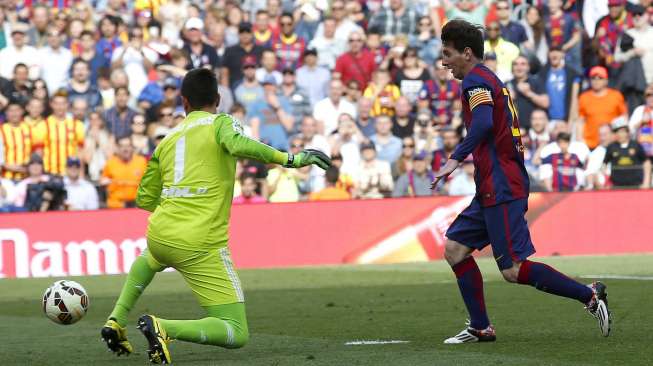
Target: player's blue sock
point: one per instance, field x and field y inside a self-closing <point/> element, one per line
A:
<point x="547" y="279"/>
<point x="470" y="282"/>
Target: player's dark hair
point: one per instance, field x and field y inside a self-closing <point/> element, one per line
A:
<point x="332" y="174"/>
<point x="461" y="34"/>
<point x="200" y="88"/>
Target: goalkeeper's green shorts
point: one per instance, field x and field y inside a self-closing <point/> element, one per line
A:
<point x="211" y="275"/>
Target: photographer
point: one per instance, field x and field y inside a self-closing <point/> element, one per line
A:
<point x="40" y="191"/>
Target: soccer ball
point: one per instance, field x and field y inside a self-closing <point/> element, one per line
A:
<point x="65" y="302"/>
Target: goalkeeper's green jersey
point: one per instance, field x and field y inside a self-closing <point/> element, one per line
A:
<point x="189" y="181"/>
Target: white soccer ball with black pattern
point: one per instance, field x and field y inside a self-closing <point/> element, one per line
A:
<point x="65" y="302"/>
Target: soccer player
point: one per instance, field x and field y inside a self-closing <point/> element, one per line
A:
<point x="496" y="214"/>
<point x="188" y="185"/>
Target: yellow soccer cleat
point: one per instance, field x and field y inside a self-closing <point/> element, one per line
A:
<point x="156" y="338"/>
<point x="115" y="337"/>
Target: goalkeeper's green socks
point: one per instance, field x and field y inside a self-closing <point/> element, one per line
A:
<point x="140" y="275"/>
<point x="226" y="327"/>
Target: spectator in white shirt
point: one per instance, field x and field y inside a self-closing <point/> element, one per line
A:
<point x="55" y="61"/>
<point x="343" y="25"/>
<point x="595" y="177"/>
<point x="346" y="143"/>
<point x="463" y="184"/>
<point x="373" y="177"/>
<point x="7" y="193"/>
<point x="328" y="110"/>
<point x="268" y="67"/>
<point x="19" y="52"/>
<point x="172" y="15"/>
<point x="82" y="195"/>
<point x="312" y="77"/>
<point x="328" y="46"/>
<point x="313" y="140"/>
<point x="136" y="60"/>
<point x="642" y="35"/>
<point x="578" y="148"/>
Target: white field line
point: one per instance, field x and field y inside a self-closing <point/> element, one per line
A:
<point x="619" y="277"/>
<point x="364" y="342"/>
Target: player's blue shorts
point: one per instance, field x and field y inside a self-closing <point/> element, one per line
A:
<point x="503" y="226"/>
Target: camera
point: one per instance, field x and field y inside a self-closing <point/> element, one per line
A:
<point x="51" y="192"/>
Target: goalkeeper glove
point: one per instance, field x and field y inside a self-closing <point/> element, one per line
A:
<point x="308" y="157"/>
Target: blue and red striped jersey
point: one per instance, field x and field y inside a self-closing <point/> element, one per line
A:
<point x="565" y="171"/>
<point x="440" y="97"/>
<point x="493" y="138"/>
<point x="289" y="51"/>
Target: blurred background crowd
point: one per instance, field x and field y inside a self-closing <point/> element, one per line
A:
<point x="89" y="88"/>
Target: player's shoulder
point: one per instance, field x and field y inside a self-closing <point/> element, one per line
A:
<point x="480" y="77"/>
<point x="228" y="120"/>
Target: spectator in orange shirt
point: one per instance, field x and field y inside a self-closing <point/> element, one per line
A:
<point x="122" y="175"/>
<point x="598" y="106"/>
<point x="332" y="191"/>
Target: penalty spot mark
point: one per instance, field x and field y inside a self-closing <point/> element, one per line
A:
<point x="619" y="277"/>
<point x="378" y="341"/>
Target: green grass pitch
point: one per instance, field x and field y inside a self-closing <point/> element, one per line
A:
<point x="304" y="316"/>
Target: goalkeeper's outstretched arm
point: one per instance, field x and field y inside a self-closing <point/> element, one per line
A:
<point x="229" y="135"/>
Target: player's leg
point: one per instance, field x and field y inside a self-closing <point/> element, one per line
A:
<point x="140" y="275"/>
<point x="512" y="245"/>
<point x="213" y="279"/>
<point x="225" y="326"/>
<point x="465" y="234"/>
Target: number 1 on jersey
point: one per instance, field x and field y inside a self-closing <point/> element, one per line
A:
<point x="180" y="154"/>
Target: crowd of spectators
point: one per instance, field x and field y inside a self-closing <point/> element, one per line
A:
<point x="89" y="88"/>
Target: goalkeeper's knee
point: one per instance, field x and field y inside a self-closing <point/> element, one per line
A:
<point x="237" y="335"/>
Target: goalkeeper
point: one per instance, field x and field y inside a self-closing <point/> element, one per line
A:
<point x="188" y="185"/>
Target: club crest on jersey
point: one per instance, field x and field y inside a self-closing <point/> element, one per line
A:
<point x="236" y="125"/>
<point x="478" y="96"/>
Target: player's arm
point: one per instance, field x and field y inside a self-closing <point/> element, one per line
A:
<point x="480" y="127"/>
<point x="230" y="136"/>
<point x="481" y="104"/>
<point x="148" y="195"/>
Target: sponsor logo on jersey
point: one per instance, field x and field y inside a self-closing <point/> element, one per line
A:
<point x="236" y="125"/>
<point x="177" y="192"/>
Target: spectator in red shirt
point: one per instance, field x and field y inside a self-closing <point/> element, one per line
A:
<point x="289" y="47"/>
<point x="357" y="64"/>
